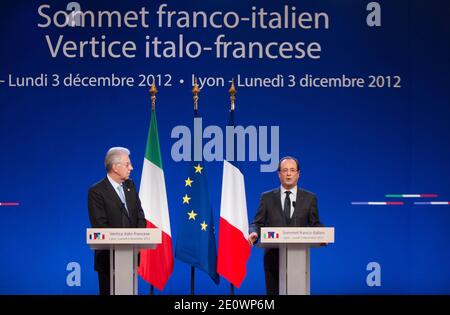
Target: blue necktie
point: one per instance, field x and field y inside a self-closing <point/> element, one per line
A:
<point x="122" y="196"/>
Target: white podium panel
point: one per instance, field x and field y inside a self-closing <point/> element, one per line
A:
<point x="123" y="246"/>
<point x="294" y="245"/>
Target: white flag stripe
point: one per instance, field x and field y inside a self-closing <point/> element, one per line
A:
<point x="153" y="196"/>
<point x="233" y="206"/>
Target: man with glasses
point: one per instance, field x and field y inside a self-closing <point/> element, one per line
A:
<point x="114" y="203"/>
<point x="286" y="206"/>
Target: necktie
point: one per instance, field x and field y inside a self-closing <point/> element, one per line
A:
<point x="287" y="207"/>
<point x="122" y="196"/>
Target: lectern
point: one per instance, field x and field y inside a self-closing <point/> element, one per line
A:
<point x="294" y="244"/>
<point x="123" y="246"/>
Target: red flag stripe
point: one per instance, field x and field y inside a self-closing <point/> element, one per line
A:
<point x="233" y="253"/>
<point x="157" y="264"/>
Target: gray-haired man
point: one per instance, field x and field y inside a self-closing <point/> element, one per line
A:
<point x="114" y="203"/>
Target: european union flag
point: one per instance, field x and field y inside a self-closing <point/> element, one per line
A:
<point x="196" y="242"/>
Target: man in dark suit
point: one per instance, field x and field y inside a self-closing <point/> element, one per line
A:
<point x="283" y="207"/>
<point x="114" y="203"/>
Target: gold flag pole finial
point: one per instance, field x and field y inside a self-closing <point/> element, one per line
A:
<point x="232" y="94"/>
<point x="153" y="92"/>
<point x="195" y="91"/>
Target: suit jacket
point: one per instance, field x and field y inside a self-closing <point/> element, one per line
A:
<point x="106" y="210"/>
<point x="270" y="212"/>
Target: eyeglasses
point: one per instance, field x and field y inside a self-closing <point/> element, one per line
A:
<point x="285" y="170"/>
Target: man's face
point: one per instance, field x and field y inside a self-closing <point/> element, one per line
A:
<point x="288" y="173"/>
<point x="123" y="168"/>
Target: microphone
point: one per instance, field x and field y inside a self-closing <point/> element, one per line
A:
<point x="293" y="204"/>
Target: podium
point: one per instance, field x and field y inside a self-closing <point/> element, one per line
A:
<point x="123" y="246"/>
<point x="294" y="245"/>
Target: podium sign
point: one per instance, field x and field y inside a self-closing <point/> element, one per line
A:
<point x="296" y="235"/>
<point x="123" y="246"/>
<point x="104" y="238"/>
<point x="294" y="255"/>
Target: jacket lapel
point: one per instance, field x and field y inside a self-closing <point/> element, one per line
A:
<point x="277" y="200"/>
<point x="127" y="191"/>
<point x="298" y="202"/>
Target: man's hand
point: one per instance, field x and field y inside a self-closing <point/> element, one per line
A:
<point x="252" y="238"/>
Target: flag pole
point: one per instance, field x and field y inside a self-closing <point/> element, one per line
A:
<point x="195" y="91"/>
<point x="232" y="91"/>
<point x="153" y="92"/>
<point x="192" y="280"/>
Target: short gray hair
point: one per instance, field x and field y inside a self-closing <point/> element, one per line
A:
<point x="113" y="156"/>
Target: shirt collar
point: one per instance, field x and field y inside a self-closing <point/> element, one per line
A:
<point x="113" y="183"/>
<point x="293" y="190"/>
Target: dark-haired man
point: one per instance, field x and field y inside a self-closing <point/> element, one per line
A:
<point x="285" y="206"/>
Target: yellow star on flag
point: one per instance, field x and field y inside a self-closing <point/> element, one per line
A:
<point x="204" y="225"/>
<point x="192" y="215"/>
<point x="188" y="182"/>
<point x="186" y="199"/>
<point x="198" y="169"/>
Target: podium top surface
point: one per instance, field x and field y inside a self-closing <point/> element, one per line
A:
<point x="296" y="235"/>
<point x="99" y="238"/>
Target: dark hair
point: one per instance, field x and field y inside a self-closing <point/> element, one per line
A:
<point x="288" y="158"/>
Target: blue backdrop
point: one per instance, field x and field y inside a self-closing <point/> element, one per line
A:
<point x="354" y="144"/>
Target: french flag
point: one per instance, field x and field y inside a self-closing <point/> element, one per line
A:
<point x="234" y="249"/>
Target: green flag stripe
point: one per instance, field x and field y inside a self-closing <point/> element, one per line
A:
<point x="152" y="152"/>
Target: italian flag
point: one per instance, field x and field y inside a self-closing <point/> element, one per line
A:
<point x="156" y="265"/>
<point x="234" y="250"/>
